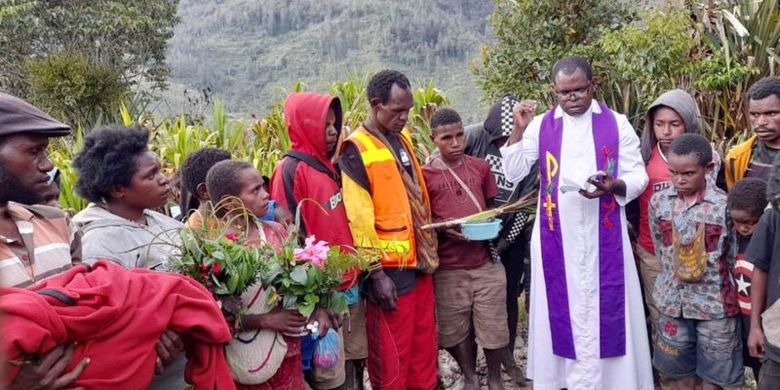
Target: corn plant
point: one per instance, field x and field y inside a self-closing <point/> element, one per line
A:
<point x="354" y="102"/>
<point x="261" y="141"/>
<point x="271" y="132"/>
<point x="61" y="154"/>
<point x="174" y="140"/>
<point x="427" y="100"/>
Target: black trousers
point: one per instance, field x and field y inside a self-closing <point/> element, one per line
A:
<point x="518" y="279"/>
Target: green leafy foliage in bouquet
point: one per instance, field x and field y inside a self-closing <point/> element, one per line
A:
<point x="223" y="264"/>
<point x="218" y="258"/>
<point x="302" y="278"/>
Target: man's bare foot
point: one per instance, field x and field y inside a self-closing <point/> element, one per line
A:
<point x="497" y="384"/>
<point x="471" y="383"/>
<point x="511" y="368"/>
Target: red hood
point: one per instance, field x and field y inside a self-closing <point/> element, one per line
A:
<point x="305" y="114"/>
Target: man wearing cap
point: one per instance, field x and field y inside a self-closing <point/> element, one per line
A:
<point x="38" y="241"/>
<point x="35" y="241"/>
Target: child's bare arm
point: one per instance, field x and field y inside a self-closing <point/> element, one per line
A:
<point x="756" y="340"/>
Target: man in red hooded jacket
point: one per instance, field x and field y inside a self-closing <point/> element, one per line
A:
<point x="306" y="172"/>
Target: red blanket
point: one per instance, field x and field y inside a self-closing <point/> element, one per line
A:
<point x="117" y="316"/>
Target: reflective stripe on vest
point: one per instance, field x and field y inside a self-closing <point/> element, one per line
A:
<point x="393" y="221"/>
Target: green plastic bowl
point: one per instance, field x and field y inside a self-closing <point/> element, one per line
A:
<point x="481" y="231"/>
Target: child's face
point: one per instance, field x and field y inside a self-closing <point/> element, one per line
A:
<point x="450" y="141"/>
<point x="667" y="126"/>
<point x="52" y="196"/>
<point x="688" y="176"/>
<point x="253" y="195"/>
<point x="331" y="132"/>
<point x="744" y="222"/>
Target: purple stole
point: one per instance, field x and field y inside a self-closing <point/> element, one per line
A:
<point x="612" y="316"/>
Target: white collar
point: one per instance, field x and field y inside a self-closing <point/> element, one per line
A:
<point x="594" y="108"/>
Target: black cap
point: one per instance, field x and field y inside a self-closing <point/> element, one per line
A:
<point x="17" y="116"/>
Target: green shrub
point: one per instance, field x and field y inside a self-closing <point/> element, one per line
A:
<point x="73" y="88"/>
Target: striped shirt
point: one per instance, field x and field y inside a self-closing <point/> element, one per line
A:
<point x="761" y="161"/>
<point x="49" y="245"/>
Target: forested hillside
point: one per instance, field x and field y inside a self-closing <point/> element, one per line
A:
<point x="248" y="51"/>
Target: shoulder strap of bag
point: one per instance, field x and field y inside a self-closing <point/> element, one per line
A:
<point x="288" y="180"/>
<point x="314" y="163"/>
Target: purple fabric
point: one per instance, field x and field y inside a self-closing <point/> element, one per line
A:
<point x="612" y="328"/>
<point x="553" y="263"/>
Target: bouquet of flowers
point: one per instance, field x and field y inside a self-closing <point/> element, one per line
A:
<point x="296" y="277"/>
<point x="220" y="262"/>
<point x="302" y="278"/>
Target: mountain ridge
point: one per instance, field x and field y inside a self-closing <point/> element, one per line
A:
<point x="246" y="52"/>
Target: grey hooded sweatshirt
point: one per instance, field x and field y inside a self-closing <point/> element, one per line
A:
<point x="685" y="106"/>
<point x="131" y="244"/>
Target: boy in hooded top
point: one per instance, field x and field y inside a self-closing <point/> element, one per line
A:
<point x="672" y="114"/>
<point x="306" y="172"/>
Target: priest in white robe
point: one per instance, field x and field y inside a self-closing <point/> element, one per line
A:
<point x="587" y="323"/>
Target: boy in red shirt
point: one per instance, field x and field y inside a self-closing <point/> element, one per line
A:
<point x="470" y="288"/>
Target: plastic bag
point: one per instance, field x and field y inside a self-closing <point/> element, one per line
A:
<point x="328" y="350"/>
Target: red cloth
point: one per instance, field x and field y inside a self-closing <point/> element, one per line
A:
<point x="289" y="376"/>
<point x="404" y="343"/>
<point x="660" y="179"/>
<point x="450" y="201"/>
<point x="117" y="316"/>
<point x="323" y="213"/>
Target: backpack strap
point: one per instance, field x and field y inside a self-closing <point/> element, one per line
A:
<point x="289" y="166"/>
<point x="314" y="163"/>
<point x="288" y="177"/>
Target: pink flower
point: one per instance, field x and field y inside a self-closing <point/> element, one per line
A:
<point x="231" y="236"/>
<point x="312" y="252"/>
